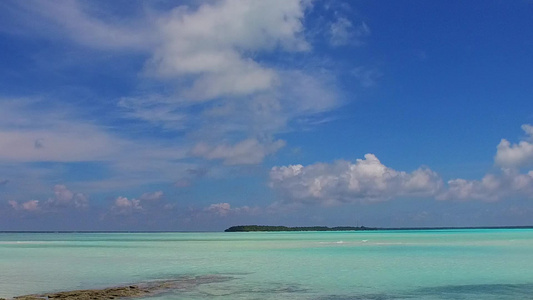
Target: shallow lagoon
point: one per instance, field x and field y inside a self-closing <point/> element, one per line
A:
<point x="432" y="264"/>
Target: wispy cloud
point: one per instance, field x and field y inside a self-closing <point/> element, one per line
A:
<point x="249" y="151"/>
<point x="29" y="133"/>
<point x="81" y="22"/>
<point x="208" y="57"/>
<point x="343" y="32"/>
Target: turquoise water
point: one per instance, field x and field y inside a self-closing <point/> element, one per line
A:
<point x="441" y="264"/>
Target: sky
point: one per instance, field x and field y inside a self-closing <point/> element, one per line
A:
<point x="200" y="115"/>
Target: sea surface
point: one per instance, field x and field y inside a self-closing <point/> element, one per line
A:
<point x="414" y="264"/>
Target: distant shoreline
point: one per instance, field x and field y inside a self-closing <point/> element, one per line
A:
<point x="267" y="228"/>
<point x="353" y="228"/>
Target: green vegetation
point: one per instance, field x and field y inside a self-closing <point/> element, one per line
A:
<point x="246" y="228"/>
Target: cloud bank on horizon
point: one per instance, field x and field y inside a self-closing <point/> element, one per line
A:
<point x="199" y="115"/>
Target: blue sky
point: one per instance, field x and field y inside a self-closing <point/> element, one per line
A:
<point x="199" y="115"/>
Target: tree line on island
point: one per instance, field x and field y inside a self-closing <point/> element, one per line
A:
<point x="246" y="228"/>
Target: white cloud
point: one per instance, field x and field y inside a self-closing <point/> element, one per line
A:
<point x="155" y="196"/>
<point x="210" y="53"/>
<point x="220" y="209"/>
<point x="345" y="182"/>
<point x="515" y="155"/>
<point x="65" y="137"/>
<point x="217" y="88"/>
<point x="65" y="197"/>
<point x="183" y="183"/>
<point x="32" y="133"/>
<point x="528" y="129"/>
<point x="145" y="203"/>
<point x="509" y="182"/>
<point x="32" y="205"/>
<point x="249" y="151"/>
<point x="367" y="77"/>
<point x="224" y="209"/>
<point x="154" y="109"/>
<point x="491" y="188"/>
<point x="67" y="144"/>
<point x="123" y="205"/>
<point x="213" y="43"/>
<point x="73" y="19"/>
<point x="343" y="32"/>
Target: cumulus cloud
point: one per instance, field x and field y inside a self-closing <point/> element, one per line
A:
<point x="366" y="180"/>
<point x="515" y="155"/>
<point x="212" y="42"/>
<point x="65" y="197"/>
<point x="155" y="196"/>
<point x="32" y="205"/>
<point x="508" y="182"/>
<point x="369" y="180"/>
<point x="492" y="187"/>
<point x="224" y="209"/>
<point x="123" y="205"/>
<point x="220" y="209"/>
<point x="144" y="203"/>
<point x="249" y="151"/>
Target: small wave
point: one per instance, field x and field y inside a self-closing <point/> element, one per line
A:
<point x="332" y="243"/>
<point x="24" y="242"/>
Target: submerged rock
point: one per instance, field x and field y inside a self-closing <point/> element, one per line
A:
<point x="129" y="291"/>
<point x="109" y="293"/>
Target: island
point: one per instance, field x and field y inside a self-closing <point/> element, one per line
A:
<point x="249" y="228"/>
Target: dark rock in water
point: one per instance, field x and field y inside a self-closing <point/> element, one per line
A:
<point x="129" y="291"/>
<point x="109" y="293"/>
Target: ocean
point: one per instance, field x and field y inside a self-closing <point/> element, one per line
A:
<point x="410" y="264"/>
